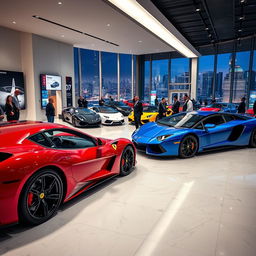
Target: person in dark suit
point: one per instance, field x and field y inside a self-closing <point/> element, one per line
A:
<point x="85" y="103"/>
<point x="254" y="108"/>
<point x="50" y="111"/>
<point x="1" y="114"/>
<point x="16" y="102"/>
<point x="176" y="105"/>
<point x="80" y="102"/>
<point x="162" y="109"/>
<point x="101" y="102"/>
<point x="10" y="109"/>
<point x="156" y="102"/>
<point x="242" y="106"/>
<point x="137" y="110"/>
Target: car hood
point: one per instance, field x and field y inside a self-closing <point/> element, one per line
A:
<point x="153" y="129"/>
<point x="111" y="115"/>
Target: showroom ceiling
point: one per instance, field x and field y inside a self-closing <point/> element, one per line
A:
<point x="82" y="23"/>
<point x="204" y="22"/>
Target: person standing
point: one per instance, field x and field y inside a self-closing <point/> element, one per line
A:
<point x="101" y="101"/>
<point x="188" y="105"/>
<point x="162" y="109"/>
<point x="1" y="114"/>
<point x="242" y="106"/>
<point x="85" y="103"/>
<point x="176" y="105"/>
<point x="110" y="98"/>
<point x="254" y="108"/>
<point x="80" y="102"/>
<point x="50" y="111"/>
<point x="156" y="102"/>
<point x="138" y="109"/>
<point x="10" y="109"/>
<point x="16" y="102"/>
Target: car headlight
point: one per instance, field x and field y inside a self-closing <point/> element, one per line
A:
<point x="148" y="116"/>
<point x="107" y="117"/>
<point x="163" y="137"/>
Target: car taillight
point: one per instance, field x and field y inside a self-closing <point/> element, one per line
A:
<point x="4" y="156"/>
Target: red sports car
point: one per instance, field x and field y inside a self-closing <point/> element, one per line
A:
<point x="130" y="103"/>
<point x="43" y="165"/>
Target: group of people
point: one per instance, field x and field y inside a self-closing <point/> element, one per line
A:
<point x="11" y="108"/>
<point x="162" y="108"/>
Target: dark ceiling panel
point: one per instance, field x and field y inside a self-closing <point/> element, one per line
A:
<point x="205" y="22"/>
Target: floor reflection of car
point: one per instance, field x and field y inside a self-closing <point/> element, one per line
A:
<point x="149" y="114"/>
<point x="120" y="106"/>
<point x="6" y="90"/>
<point x="55" y="84"/>
<point x="44" y="165"/>
<point x="81" y="117"/>
<point x="216" y="107"/>
<point x="109" y="116"/>
<point x="185" y="134"/>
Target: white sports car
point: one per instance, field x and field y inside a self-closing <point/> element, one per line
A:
<point x="109" y="116"/>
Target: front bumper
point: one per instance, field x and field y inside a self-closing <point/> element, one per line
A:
<point x="156" y="148"/>
<point x="113" y="122"/>
<point x="88" y="124"/>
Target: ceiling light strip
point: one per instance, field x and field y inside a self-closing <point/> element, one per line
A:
<point x="72" y="29"/>
<point x="133" y="9"/>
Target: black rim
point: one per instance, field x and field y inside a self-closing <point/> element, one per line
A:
<point x="44" y="196"/>
<point x="189" y="147"/>
<point x="127" y="160"/>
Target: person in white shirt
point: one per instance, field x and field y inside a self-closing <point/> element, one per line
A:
<point x="188" y="105"/>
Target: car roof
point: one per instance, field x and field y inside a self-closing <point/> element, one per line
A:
<point x="12" y="133"/>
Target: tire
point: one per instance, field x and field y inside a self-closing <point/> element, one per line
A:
<point x="127" y="161"/>
<point x="41" y="197"/>
<point x="253" y="139"/>
<point x="188" y="147"/>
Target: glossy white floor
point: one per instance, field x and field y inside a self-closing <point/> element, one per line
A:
<point x="196" y="207"/>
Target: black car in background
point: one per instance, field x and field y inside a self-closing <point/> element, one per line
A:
<point x="81" y="117"/>
<point x="119" y="106"/>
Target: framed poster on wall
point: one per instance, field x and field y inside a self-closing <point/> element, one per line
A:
<point x="9" y="82"/>
<point x="69" y="91"/>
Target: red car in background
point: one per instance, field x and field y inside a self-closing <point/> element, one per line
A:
<point x="43" y="165"/>
<point x="131" y="104"/>
<point x="250" y="112"/>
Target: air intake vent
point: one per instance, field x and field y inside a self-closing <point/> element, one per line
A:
<point x="4" y="156"/>
<point x="73" y="29"/>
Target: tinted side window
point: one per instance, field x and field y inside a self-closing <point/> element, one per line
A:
<point x="65" y="140"/>
<point x="40" y="139"/>
<point x="217" y="120"/>
<point x="229" y="118"/>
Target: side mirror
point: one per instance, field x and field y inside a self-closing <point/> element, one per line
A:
<point x="99" y="141"/>
<point x="209" y="126"/>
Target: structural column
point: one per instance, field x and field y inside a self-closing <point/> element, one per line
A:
<point x="194" y="67"/>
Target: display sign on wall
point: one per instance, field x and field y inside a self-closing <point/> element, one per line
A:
<point x="9" y="82"/>
<point x="69" y="91"/>
<point x="53" y="83"/>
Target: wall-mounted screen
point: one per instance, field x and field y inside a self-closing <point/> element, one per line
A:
<point x="9" y="82"/>
<point x="53" y="83"/>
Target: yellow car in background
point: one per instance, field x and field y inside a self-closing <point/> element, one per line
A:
<point x="150" y="114"/>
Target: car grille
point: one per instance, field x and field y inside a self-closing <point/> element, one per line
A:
<point x="156" y="148"/>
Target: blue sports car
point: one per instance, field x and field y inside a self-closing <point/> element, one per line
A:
<point x="187" y="133"/>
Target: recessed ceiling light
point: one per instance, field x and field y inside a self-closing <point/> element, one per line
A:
<point x="206" y="28"/>
<point x="198" y="9"/>
<point x="108" y="25"/>
<point x="241" y="18"/>
<point x="139" y="41"/>
<point x="240" y="30"/>
<point x="137" y="12"/>
<point x="59" y="3"/>
<point x="14" y="22"/>
<point x="210" y="35"/>
<point x="62" y="36"/>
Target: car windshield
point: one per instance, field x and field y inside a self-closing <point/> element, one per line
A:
<point x="83" y="111"/>
<point x="150" y="109"/>
<point x="119" y="103"/>
<point x="185" y="120"/>
<point x="215" y="105"/>
<point x="107" y="110"/>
